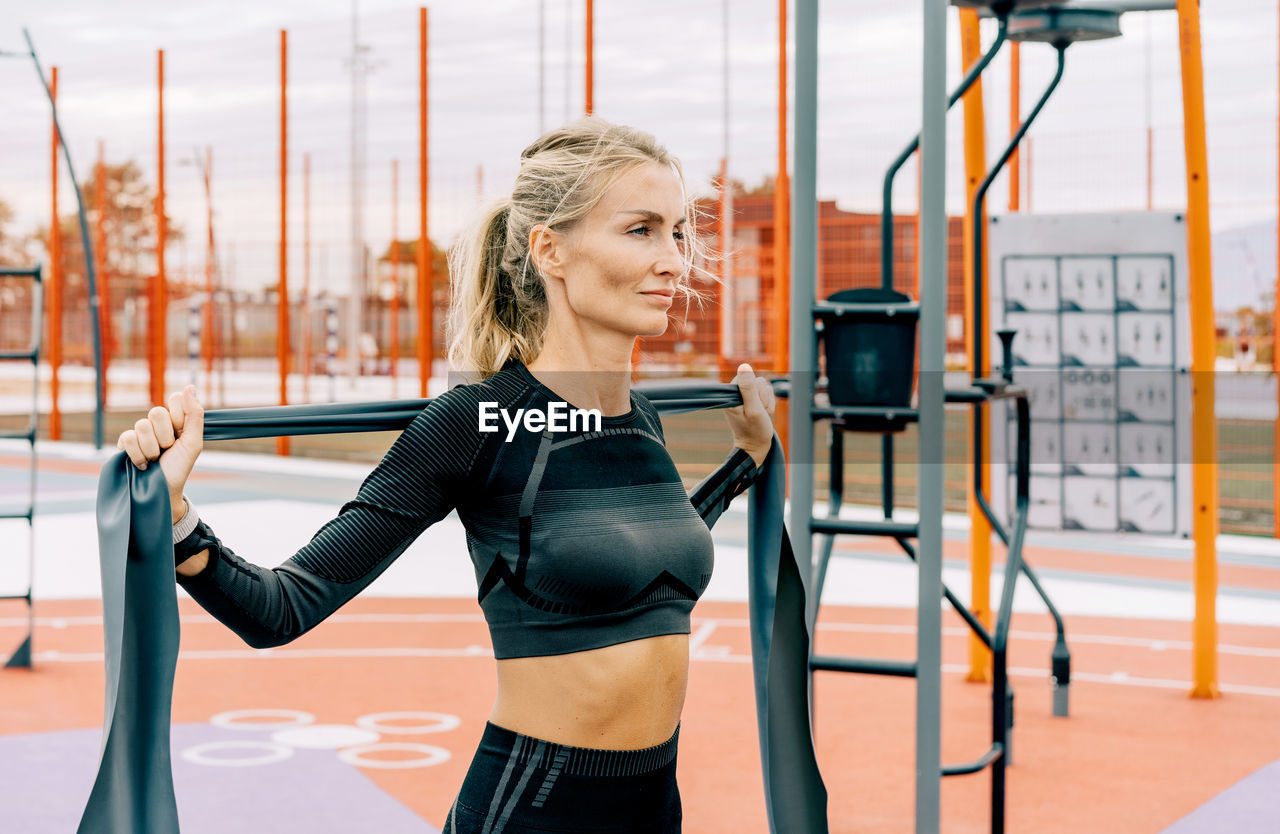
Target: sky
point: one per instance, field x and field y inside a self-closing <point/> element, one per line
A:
<point x="659" y="65"/>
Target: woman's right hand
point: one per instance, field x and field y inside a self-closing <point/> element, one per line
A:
<point x="173" y="435"/>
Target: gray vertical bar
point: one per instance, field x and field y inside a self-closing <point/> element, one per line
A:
<point x="804" y="263"/>
<point x="933" y="297"/>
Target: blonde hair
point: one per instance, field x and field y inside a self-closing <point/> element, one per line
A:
<point x="498" y="306"/>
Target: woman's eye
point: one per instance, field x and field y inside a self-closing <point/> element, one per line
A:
<point x="679" y="235"/>
<point x="641" y="229"/>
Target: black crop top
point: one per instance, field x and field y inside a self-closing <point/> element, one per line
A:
<point x="580" y="538"/>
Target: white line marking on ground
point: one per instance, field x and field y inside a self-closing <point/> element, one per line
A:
<point x="715" y="654"/>
<point x="700" y="636"/>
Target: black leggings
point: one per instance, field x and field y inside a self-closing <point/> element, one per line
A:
<point x="522" y="785"/>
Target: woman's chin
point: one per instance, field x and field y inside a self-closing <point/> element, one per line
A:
<point x="656" y="329"/>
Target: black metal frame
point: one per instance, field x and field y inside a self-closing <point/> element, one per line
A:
<point x="21" y="656"/>
<point x="887" y="421"/>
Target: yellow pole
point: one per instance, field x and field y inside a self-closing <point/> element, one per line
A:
<point x="975" y="169"/>
<point x="1204" y="451"/>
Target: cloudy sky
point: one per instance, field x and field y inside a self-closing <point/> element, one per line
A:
<point x="659" y="65"/>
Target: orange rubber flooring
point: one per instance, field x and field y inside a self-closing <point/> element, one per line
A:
<point x="1136" y="754"/>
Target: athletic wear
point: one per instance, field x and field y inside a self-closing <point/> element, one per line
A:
<point x="518" y="784"/>
<point x="579" y="538"/>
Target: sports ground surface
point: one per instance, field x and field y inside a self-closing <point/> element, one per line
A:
<point x="368" y="722"/>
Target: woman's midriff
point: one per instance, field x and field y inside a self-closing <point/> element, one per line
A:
<point x="622" y="697"/>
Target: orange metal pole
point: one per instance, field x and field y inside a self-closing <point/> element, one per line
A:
<point x="395" y="272"/>
<point x="1204" y="446"/>
<point x="207" y="330"/>
<point x="722" y="215"/>
<point x="282" y="306"/>
<point x="425" y="324"/>
<point x="1015" y="118"/>
<point x="99" y="260"/>
<point x="975" y="168"/>
<point x="306" y="277"/>
<point x="781" y="211"/>
<point x="160" y="288"/>
<point x="591" y="67"/>
<point x="55" y="284"/>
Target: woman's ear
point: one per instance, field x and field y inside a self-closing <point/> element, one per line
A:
<point x="548" y="249"/>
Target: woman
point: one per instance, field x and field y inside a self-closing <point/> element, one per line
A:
<point x="589" y="555"/>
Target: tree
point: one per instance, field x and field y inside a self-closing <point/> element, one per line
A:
<point x="128" y="257"/>
<point x="129" y="233"/>
<point x="15" y="249"/>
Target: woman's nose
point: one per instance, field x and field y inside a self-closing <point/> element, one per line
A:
<point x="672" y="260"/>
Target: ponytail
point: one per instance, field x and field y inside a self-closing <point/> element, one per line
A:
<point x="493" y="315"/>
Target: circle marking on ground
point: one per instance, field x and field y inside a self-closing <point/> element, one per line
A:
<point x="242" y="719"/>
<point x="434" y="722"/>
<point x="199" y="754"/>
<point x="432" y="755"/>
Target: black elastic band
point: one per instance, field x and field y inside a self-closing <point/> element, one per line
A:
<point x="133" y="790"/>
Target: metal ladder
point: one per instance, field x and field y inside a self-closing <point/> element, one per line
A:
<point x="886" y="421"/>
<point x="21" y="657"/>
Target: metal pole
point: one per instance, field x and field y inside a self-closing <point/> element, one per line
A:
<point x="542" y="67"/>
<point x="160" y="296"/>
<point x="975" y="166"/>
<point x="781" y="193"/>
<point x="306" y="277"/>
<point x="395" y="273"/>
<point x="933" y="299"/>
<point x="282" y="303"/>
<point x="208" y="273"/>
<point x="1015" y="117"/>
<point x="94" y="301"/>
<point x="357" y="202"/>
<point x="426" y="336"/>
<point x="886" y="197"/>
<point x="99" y="244"/>
<point x="591" y="67"/>
<point x="568" y="54"/>
<point x="803" y="290"/>
<point x="727" y="305"/>
<point x="1204" y="446"/>
<point x="55" y="278"/>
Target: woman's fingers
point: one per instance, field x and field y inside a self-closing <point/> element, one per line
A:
<point x="147" y="439"/>
<point x="128" y="443"/>
<point x="153" y="434"/>
<point x="767" y="397"/>
<point x="162" y="423"/>
<point x="177" y="418"/>
<point x="751" y="403"/>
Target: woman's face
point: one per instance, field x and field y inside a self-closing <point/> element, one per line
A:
<point x="623" y="259"/>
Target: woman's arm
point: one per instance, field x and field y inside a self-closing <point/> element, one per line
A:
<point x="712" y="496"/>
<point x="418" y="482"/>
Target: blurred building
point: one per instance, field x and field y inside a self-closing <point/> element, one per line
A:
<point x="848" y="257"/>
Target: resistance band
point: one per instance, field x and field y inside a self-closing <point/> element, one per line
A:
<point x="133" y="790"/>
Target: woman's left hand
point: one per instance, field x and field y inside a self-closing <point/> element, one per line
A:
<point x="752" y="422"/>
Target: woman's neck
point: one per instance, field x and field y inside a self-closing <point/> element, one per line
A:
<point x="594" y="376"/>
